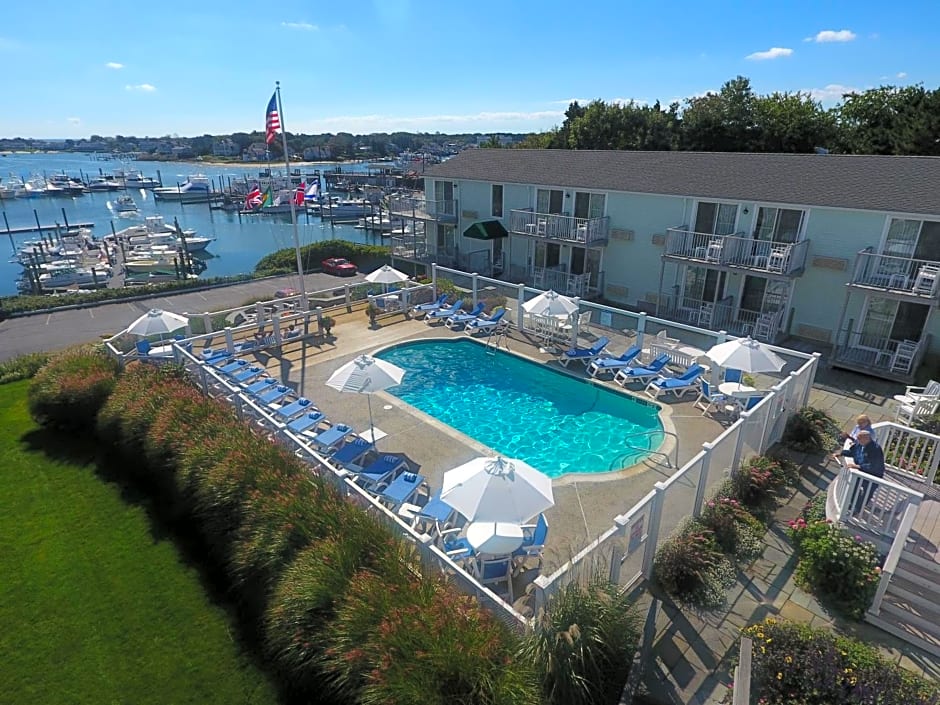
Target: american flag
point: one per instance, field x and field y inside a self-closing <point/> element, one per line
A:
<point x="273" y="120"/>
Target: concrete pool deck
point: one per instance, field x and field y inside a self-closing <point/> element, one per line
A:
<point x="585" y="504"/>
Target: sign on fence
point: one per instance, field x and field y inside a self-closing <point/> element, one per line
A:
<point x="636" y="534"/>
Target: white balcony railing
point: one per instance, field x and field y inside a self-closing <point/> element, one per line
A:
<point x="880" y="354"/>
<point x="916" y="277"/>
<point x="721" y="315"/>
<point x="444" y="211"/>
<point x="559" y="227"/>
<point x="737" y="251"/>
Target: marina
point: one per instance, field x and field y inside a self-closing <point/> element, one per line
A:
<point x="220" y="236"/>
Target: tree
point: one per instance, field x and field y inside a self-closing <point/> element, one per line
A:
<point x="723" y="121"/>
<point x="890" y="120"/>
<point x="792" y="122"/>
<point x="491" y="142"/>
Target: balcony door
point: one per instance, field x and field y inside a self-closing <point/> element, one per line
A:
<point x="913" y="239"/>
<point x="714" y="218"/>
<point x="703" y="285"/>
<point x="547" y="255"/>
<point x="549" y="201"/>
<point x="588" y="205"/>
<point x="781" y="225"/>
<point x="887" y="319"/>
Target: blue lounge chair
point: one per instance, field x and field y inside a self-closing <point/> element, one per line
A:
<point x="211" y="357"/>
<point x="262" y="385"/>
<point x="459" y="320"/>
<point x="351" y="452"/>
<point x="247" y="374"/>
<point x="436" y="515"/>
<point x="289" y="411"/>
<point x="489" y="325"/>
<point x="272" y="396"/>
<point x="642" y="374"/>
<point x="442" y="313"/>
<point x="332" y="437"/>
<point x="603" y="365"/>
<point x="404" y="488"/>
<point x="431" y="306"/>
<point x="533" y="541"/>
<point x="381" y="470"/>
<point x="233" y="367"/>
<point x="585" y="355"/>
<point x="311" y="419"/>
<point x="686" y="382"/>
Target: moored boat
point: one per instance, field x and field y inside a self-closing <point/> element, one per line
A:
<point x="195" y="189"/>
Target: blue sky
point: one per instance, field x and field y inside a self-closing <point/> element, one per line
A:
<point x="189" y="68"/>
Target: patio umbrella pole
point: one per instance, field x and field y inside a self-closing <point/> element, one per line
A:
<point x="371" y="424"/>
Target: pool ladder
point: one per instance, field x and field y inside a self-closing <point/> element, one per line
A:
<point x="657" y="452"/>
<point x="495" y="338"/>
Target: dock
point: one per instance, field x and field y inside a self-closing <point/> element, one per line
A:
<point x="43" y="228"/>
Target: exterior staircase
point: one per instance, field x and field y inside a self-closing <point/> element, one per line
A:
<point x="910" y="609"/>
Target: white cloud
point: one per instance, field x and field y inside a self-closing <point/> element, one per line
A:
<point x="472" y="122"/>
<point x="74" y="120"/>
<point x="832" y="35"/>
<point x="830" y="93"/>
<point x="114" y="65"/>
<point x="569" y="101"/>
<point x="772" y="53"/>
<point x="902" y="74"/>
<point x="305" y="26"/>
<point x="140" y="88"/>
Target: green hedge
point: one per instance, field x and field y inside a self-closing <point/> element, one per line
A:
<point x="285" y="261"/>
<point x="22" y="367"/>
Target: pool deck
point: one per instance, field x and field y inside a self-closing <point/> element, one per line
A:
<point x="586" y="505"/>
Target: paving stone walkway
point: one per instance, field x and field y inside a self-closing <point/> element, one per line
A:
<point x="694" y="654"/>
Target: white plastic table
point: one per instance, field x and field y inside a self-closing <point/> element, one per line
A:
<point x="735" y="389"/>
<point x="494" y="537"/>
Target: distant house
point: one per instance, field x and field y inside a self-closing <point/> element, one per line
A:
<point x="256" y="152"/>
<point x="318" y="152"/>
<point x="225" y="148"/>
<point x="165" y="148"/>
<point x="182" y="151"/>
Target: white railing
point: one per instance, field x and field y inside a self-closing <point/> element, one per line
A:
<point x="875" y="503"/>
<point x="444" y="210"/>
<point x="878" y="353"/>
<point x="737" y="251"/>
<point x="916" y="277"/>
<point x="912" y="453"/>
<point x="552" y="226"/>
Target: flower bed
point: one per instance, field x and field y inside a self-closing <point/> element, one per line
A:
<point x="795" y="664"/>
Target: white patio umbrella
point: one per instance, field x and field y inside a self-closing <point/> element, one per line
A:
<point x="747" y="355"/>
<point x="386" y="274"/>
<point x="550" y="303"/>
<point x="498" y="490"/>
<point x="366" y="375"/>
<point x="157" y="322"/>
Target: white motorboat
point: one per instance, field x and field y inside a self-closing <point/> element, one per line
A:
<point x="33" y="188"/>
<point x="195" y="189"/>
<point x="379" y="223"/>
<point x="77" y="276"/>
<point x="123" y="205"/>
<point x="104" y="182"/>
<point x="350" y="210"/>
<point x="135" y="179"/>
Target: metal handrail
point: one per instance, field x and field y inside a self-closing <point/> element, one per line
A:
<point x="658" y="452"/>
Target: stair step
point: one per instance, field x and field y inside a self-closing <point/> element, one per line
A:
<point x="932" y="647"/>
<point x="910" y="578"/>
<point x="922" y="566"/>
<point x="920" y="600"/>
<point x="911" y="622"/>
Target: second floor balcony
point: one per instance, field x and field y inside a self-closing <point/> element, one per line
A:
<point x="440" y="211"/>
<point x="902" y="276"/>
<point x="737" y="251"/>
<point x="550" y="226"/>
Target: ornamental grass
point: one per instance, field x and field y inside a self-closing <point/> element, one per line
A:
<point x="690" y="567"/>
<point x="68" y="392"/>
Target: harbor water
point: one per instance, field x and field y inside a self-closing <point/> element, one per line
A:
<point x="239" y="242"/>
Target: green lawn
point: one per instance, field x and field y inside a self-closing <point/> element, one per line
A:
<point x="94" y="608"/>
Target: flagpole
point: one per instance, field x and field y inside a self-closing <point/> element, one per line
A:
<point x="293" y="212"/>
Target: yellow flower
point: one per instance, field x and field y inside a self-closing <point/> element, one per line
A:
<point x="788" y="659"/>
<point x="779" y="676"/>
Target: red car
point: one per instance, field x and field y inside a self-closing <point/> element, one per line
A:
<point x="339" y="266"/>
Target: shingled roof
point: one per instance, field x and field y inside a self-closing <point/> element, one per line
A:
<point x="878" y="183"/>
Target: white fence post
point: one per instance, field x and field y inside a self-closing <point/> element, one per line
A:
<point x="520" y="312"/>
<point x="652" y="536"/>
<point x="538" y="593"/>
<point x="474" y="284"/>
<point x="739" y="441"/>
<point x="229" y="340"/>
<point x="811" y="378"/>
<point x="741" y="695"/>
<point x="640" y="330"/>
<point x="207" y="322"/>
<point x="702" y="479"/>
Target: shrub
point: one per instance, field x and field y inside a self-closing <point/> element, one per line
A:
<point x="811" y="430"/>
<point x="285" y="261"/>
<point x="840" y="569"/>
<point x="737" y="532"/>
<point x="582" y="645"/>
<point x="795" y="663"/>
<point x="814" y="510"/>
<point x="22" y="367"/>
<point x="448" y="650"/>
<point x="71" y="388"/>
<point x="691" y="568"/>
<point x="758" y="482"/>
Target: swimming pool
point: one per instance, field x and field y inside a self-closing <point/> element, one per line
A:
<point x="521" y="409"/>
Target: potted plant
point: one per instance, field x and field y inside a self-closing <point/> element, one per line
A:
<point x="326" y="322"/>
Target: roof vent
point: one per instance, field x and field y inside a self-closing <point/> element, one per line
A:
<point x="820" y="150"/>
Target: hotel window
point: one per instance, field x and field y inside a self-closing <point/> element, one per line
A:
<point x="549" y="201"/>
<point x="778" y="225"/>
<point x="588" y="205"/>
<point x="497" y="207"/>
<point x="715" y="218"/>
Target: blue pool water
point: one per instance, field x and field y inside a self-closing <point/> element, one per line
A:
<point x="521" y="409"/>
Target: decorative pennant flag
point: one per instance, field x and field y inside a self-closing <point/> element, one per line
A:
<point x="272" y="121"/>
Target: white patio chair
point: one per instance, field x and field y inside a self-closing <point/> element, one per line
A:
<point x="922" y="408"/>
